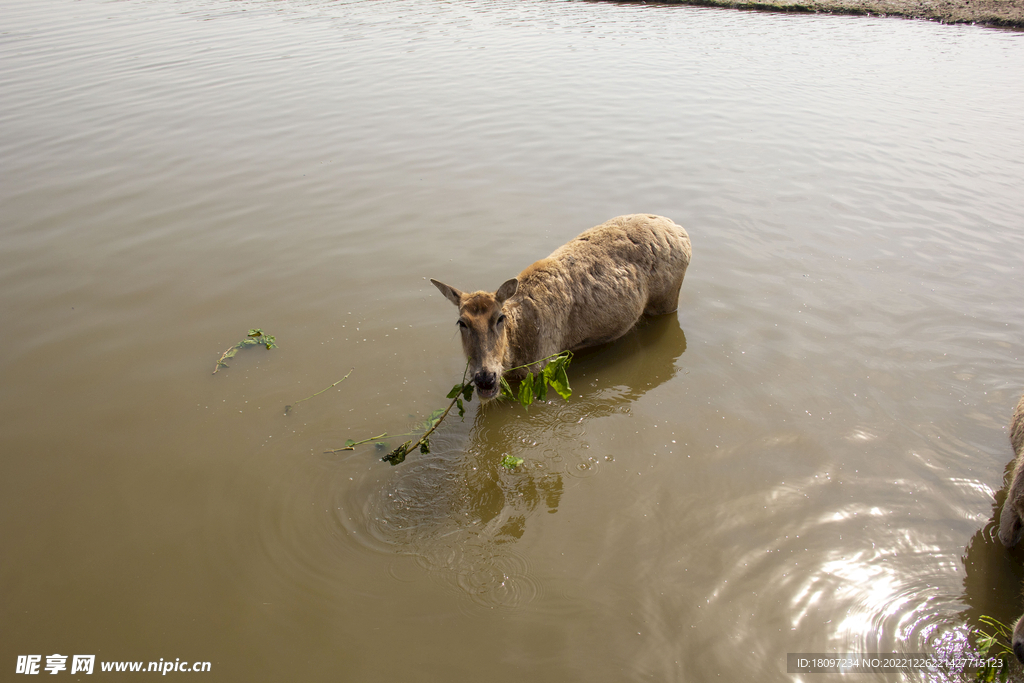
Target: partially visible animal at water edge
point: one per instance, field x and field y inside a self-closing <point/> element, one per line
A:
<point x="1010" y="521"/>
<point x="589" y="291"/>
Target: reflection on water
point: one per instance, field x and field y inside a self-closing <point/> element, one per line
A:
<point x="460" y="512"/>
<point x="991" y="572"/>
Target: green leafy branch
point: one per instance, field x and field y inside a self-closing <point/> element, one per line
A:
<point x="536" y="386"/>
<point x="531" y="388"/>
<point x="994" y="647"/>
<point x="350" y="445"/>
<point x="463" y="390"/>
<point x="256" y="336"/>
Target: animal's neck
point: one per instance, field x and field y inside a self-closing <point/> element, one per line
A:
<point x="513" y="312"/>
<point x="520" y="333"/>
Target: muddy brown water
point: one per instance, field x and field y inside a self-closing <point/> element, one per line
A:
<point x="805" y="458"/>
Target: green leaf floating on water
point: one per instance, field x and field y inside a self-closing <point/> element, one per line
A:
<point x="510" y="462"/>
<point x="434" y="419"/>
<point x="256" y="336"/>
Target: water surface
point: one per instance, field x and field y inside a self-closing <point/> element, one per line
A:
<point x="804" y="458"/>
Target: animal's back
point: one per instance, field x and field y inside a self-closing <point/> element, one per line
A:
<point x="594" y="288"/>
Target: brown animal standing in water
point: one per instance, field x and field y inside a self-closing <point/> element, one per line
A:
<point x="1010" y="521"/>
<point x="590" y="291"/>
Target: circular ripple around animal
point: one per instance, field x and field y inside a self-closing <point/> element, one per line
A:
<point x="433" y="513"/>
<point x="499" y="580"/>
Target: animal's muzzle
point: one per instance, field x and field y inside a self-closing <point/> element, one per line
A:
<point x="486" y="384"/>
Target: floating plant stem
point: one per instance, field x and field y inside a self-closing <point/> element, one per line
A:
<point x="256" y="336"/>
<point x="288" y="408"/>
<point x="350" y="445"/>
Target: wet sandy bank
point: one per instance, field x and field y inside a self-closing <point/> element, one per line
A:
<point x="1005" y="13"/>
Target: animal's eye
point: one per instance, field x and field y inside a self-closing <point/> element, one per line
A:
<point x="461" y="324"/>
<point x="501" y="319"/>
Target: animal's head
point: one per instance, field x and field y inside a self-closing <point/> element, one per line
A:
<point x="482" y="325"/>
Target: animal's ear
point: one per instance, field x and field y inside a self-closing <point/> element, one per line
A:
<point x="507" y="290"/>
<point x="452" y="294"/>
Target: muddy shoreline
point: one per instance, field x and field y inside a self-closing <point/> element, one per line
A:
<point x="1000" y="13"/>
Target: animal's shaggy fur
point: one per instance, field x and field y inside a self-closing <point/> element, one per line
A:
<point x="1013" y="508"/>
<point x="590" y="291"/>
